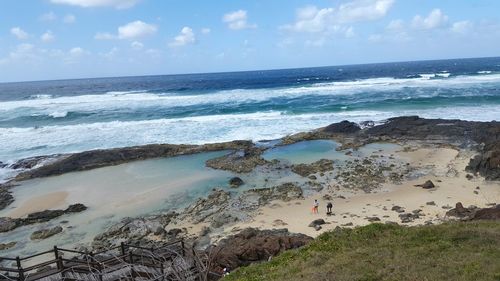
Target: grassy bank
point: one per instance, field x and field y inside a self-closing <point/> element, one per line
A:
<point x="451" y="251"/>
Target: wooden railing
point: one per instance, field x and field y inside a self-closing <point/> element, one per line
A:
<point x="97" y="263"/>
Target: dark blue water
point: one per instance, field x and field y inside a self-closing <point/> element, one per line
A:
<point x="72" y="115"/>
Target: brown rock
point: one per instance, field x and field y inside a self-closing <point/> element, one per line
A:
<point x="253" y="245"/>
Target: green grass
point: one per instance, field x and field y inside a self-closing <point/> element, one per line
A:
<point x="451" y="251"/>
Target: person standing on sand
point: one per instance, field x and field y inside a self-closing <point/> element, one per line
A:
<point x="316" y="207"/>
<point x="329" y="207"/>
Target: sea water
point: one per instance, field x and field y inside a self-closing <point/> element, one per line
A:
<point x="50" y="117"/>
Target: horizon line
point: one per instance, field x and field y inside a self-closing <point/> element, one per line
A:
<point x="240" y="71"/>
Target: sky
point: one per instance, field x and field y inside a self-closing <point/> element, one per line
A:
<point x="59" y="39"/>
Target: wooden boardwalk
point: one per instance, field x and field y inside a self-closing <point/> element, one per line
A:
<point x="169" y="262"/>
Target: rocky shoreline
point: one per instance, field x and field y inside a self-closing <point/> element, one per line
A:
<point x="206" y="221"/>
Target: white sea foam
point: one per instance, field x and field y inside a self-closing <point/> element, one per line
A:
<point x="25" y="142"/>
<point x="40" y="97"/>
<point x="58" y="114"/>
<point x="136" y="99"/>
<point x="484" y="72"/>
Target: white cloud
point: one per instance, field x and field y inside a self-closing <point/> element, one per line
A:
<point x="76" y="52"/>
<point x="312" y="19"/>
<point x="50" y="16"/>
<point x="237" y="20"/>
<point x="47" y="36"/>
<point x="185" y="37"/>
<point x="119" y="4"/>
<point x="136" y="45"/>
<point x="363" y="10"/>
<point x="131" y="30"/>
<point x="19" y="33"/>
<point x="136" y="29"/>
<point x="435" y="19"/>
<point x="25" y="53"/>
<point x="462" y="27"/>
<point x="206" y="30"/>
<point x="395" y="26"/>
<point x="69" y="18"/>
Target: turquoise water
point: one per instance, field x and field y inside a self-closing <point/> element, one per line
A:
<point x="112" y="193"/>
<point x="307" y="152"/>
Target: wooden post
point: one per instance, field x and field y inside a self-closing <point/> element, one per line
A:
<point x="20" y="269"/>
<point x="58" y="261"/>
<point x="122" y="246"/>
<point x="132" y="270"/>
<point x="162" y="272"/>
<point x="183" y="250"/>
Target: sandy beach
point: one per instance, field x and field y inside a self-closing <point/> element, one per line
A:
<point x="39" y="203"/>
<point x="446" y="169"/>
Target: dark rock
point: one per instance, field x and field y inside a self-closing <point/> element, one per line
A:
<point x="469" y="176"/>
<point x="75" y="208"/>
<point x="398" y="209"/>
<point x="431" y="203"/>
<point x="6" y="198"/>
<point x="344" y="127"/>
<point x="323" y="165"/>
<point x="284" y="192"/>
<point x="348" y="224"/>
<point x="174" y="232"/>
<point x="408" y="217"/>
<point x="8" y="224"/>
<point x="106" y="157"/>
<point x="317" y="227"/>
<point x="253" y="245"/>
<point x="459" y="211"/>
<point x="242" y="161"/>
<point x="29" y="163"/>
<point x="426" y="185"/>
<point x="373" y="219"/>
<point x="317" y="222"/>
<point x="327" y="197"/>
<point x="6" y="246"/>
<point x="492" y="213"/>
<point x="46" y="233"/>
<point x="43" y="216"/>
<point x="236" y="182"/>
<point x="2" y="165"/>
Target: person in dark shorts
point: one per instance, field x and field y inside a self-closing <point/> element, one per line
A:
<point x="329" y="207"/>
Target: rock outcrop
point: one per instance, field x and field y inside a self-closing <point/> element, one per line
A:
<point x="6" y="246"/>
<point x="46" y="233"/>
<point x="320" y="166"/>
<point x="344" y="127"/>
<point x="8" y="224"/>
<point x="241" y="161"/>
<point x="253" y="245"/>
<point x="235" y="182"/>
<point x="106" y="157"/>
<point x="6" y="198"/>
<point x="426" y="185"/>
<point x="484" y="136"/>
<point x="492" y="213"/>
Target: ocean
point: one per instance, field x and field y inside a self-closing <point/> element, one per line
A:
<point x="51" y="117"/>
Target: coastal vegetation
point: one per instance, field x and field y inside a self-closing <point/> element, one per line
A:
<point x="450" y="251"/>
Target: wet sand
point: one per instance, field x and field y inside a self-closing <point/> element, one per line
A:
<point x="52" y="200"/>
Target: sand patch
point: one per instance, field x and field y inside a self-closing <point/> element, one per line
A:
<point x="40" y="203"/>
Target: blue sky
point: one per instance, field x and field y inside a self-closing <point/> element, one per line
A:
<point x="55" y="39"/>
